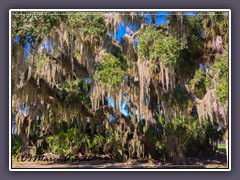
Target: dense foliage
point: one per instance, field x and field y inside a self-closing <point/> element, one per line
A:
<point x="113" y="67"/>
<point x="154" y="44"/>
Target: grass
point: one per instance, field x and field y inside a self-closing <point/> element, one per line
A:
<point x="222" y="147"/>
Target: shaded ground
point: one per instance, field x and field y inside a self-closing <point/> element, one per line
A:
<point x="217" y="161"/>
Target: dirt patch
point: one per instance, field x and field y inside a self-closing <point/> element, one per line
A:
<point x="217" y="161"/>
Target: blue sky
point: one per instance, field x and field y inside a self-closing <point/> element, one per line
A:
<point x="122" y="29"/>
<point x="123" y="109"/>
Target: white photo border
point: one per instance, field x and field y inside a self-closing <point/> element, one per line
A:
<point x="119" y="10"/>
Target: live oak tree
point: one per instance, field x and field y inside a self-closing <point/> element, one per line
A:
<point x="67" y="68"/>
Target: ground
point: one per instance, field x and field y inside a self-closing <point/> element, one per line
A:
<point x="217" y="161"/>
